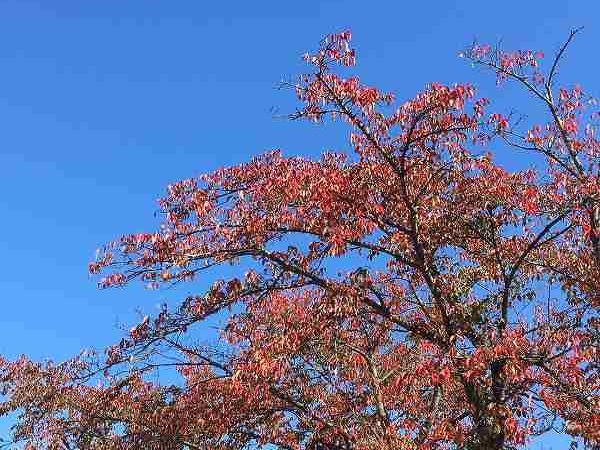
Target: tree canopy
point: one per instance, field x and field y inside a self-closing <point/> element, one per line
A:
<point x="412" y="293"/>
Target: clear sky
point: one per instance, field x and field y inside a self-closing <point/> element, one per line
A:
<point x="102" y="104"/>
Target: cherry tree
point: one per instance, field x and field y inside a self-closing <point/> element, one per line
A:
<point x="412" y="293"/>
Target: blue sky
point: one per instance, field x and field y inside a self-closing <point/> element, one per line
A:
<point x="102" y="104"/>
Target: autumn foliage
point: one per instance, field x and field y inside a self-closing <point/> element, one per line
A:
<point x="410" y="294"/>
